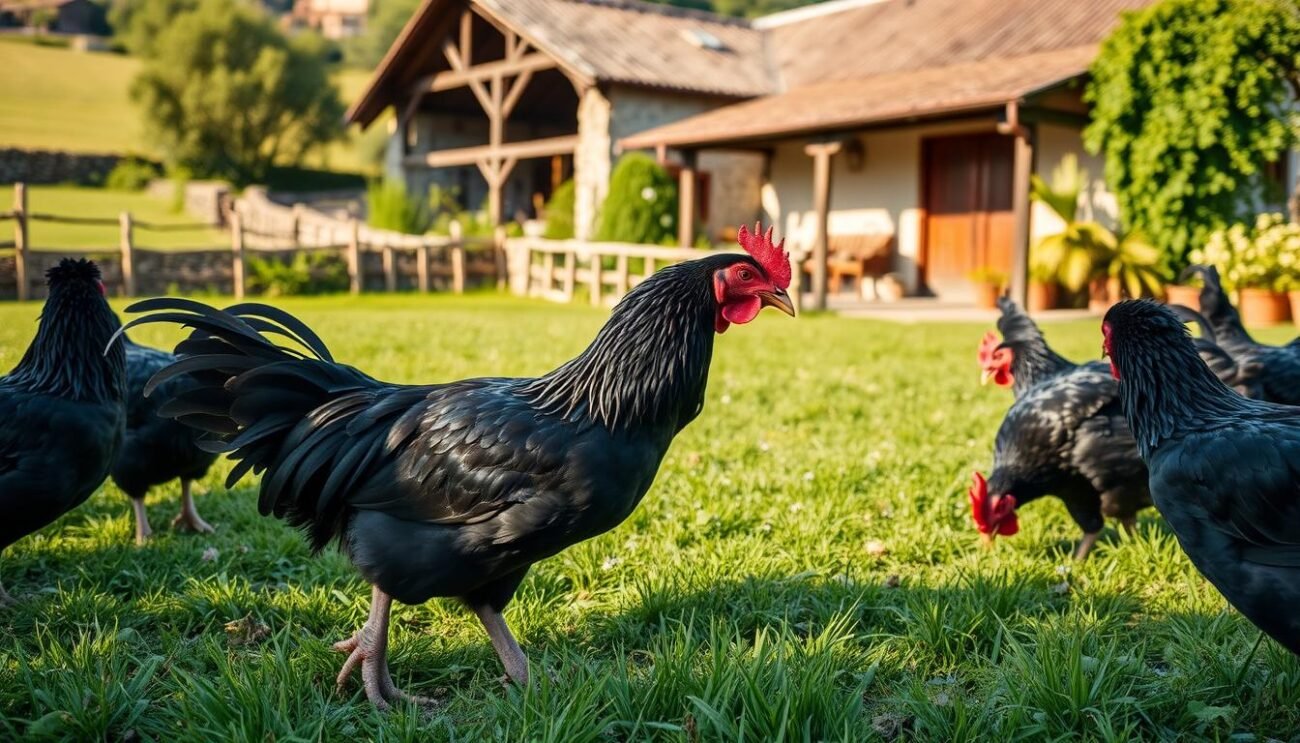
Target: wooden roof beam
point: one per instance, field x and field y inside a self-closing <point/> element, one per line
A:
<point x="533" y="148"/>
<point x="459" y="78"/>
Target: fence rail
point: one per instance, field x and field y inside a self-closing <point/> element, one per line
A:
<point x="556" y="269"/>
<point x="259" y="226"/>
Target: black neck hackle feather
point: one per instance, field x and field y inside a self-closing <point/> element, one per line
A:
<point x="1164" y="385"/>
<point x="67" y="358"/>
<point x="649" y="364"/>
<point x="1032" y="360"/>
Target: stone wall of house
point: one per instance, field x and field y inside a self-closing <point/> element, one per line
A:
<point x="591" y="161"/>
<point x="53" y="166"/>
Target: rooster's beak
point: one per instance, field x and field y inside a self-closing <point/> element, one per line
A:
<point x="985" y="376"/>
<point x="986" y="540"/>
<point x="779" y="299"/>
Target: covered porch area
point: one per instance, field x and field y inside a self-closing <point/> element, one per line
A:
<point x="919" y="178"/>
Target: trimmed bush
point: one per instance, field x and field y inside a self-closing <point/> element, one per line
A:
<point x="131" y="174"/>
<point x="642" y="203"/>
<point x="390" y="207"/>
<point x="559" y="212"/>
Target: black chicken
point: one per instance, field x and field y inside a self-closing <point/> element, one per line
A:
<point x="1260" y="371"/>
<point x="1225" y="469"/>
<point x="456" y="489"/>
<point x="157" y="450"/>
<point x="1064" y="435"/>
<point x="61" y="406"/>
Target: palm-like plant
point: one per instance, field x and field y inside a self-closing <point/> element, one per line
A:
<point x="1085" y="250"/>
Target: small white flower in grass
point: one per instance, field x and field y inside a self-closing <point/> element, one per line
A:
<point x="1060" y="589"/>
<point x="1062" y="569"/>
<point x="808" y="476"/>
<point x="764" y="446"/>
<point x="648" y="193"/>
<point x="210" y="554"/>
<point x="610" y="563"/>
<point x="766" y="528"/>
<point x="725" y="400"/>
<point x="941" y="699"/>
<point x="876" y="548"/>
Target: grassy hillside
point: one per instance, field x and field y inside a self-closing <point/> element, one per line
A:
<point x="57" y="98"/>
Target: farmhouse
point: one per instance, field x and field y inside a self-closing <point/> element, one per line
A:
<point x="896" y="135"/>
<point x="60" y="16"/>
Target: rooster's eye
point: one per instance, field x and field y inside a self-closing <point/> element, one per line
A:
<point x="745" y="275"/>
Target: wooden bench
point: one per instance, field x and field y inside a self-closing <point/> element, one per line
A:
<point x="855" y="256"/>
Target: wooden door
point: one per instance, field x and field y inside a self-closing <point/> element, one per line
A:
<point x="966" y="193"/>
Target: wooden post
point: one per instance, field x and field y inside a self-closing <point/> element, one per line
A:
<point x="390" y="266"/>
<point x="596" y="279"/>
<point x="237" y="253"/>
<point x="621" y="279"/>
<point x="548" y="271"/>
<point x="570" y="274"/>
<point x="354" y="256"/>
<point x="1023" y="164"/>
<point x="456" y="254"/>
<point x="686" y="200"/>
<point x="295" y="227"/>
<point x="649" y="267"/>
<point x="20" y="240"/>
<point x="821" y="154"/>
<point x="128" y="255"/>
<point x="422" y="266"/>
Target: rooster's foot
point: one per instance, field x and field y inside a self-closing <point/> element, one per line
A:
<point x="1085" y="545"/>
<point x="142" y="528"/>
<point x="188" y="519"/>
<point x="368" y="648"/>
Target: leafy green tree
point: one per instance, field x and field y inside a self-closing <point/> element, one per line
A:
<point x="137" y="24"/>
<point x="642" y="203"/>
<point x="227" y="95"/>
<point x="1190" y="99"/>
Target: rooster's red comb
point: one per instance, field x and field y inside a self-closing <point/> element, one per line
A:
<point x="995" y="514"/>
<point x="773" y="258"/>
<point x="988" y="343"/>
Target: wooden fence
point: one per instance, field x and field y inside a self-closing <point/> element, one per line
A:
<point x="557" y="269"/>
<point x="259" y="227"/>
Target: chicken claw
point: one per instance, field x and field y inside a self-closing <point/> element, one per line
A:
<point x="368" y="648"/>
<point x="188" y="519"/>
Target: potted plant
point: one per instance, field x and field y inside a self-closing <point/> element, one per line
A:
<point x="1044" y="291"/>
<point x="989" y="284"/>
<point x="1185" y="294"/>
<point x="1249" y="262"/>
<point x="1277" y="237"/>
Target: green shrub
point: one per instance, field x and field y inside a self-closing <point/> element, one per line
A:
<point x="559" y="212"/>
<point x="642" y="203"/>
<point x="304" y="273"/>
<point x="131" y="174"/>
<point x="390" y="207"/>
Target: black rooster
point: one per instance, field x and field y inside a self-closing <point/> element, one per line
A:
<point x="1225" y="469"/>
<point x="61" y="406"/>
<point x="1064" y="435"/>
<point x="456" y="489"/>
<point x="157" y="450"/>
<point x="1260" y="371"/>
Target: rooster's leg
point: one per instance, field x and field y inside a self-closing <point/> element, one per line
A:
<point x="142" y="530"/>
<point x="188" y="519"/>
<point x="1130" y="525"/>
<point x="1085" y="545"/>
<point x="368" y="648"/>
<point x="512" y="657"/>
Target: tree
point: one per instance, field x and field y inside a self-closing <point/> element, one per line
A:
<point x="226" y="95"/>
<point x="1190" y="99"/>
<point x="384" y="21"/>
<point x="137" y="24"/>
<point x="642" y="203"/>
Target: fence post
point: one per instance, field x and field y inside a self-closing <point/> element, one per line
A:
<point x="457" y="257"/>
<point x="128" y="254"/>
<point x="237" y="253"/>
<point x="621" y="281"/>
<point x="390" y="265"/>
<point x="20" y="239"/>
<point x="354" y="255"/>
<point x="596" y="279"/>
<point x="422" y="266"/>
<point x="499" y="254"/>
<point x="295" y="227"/>
<point x="570" y="274"/>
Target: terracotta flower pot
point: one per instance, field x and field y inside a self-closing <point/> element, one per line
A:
<point x="1101" y="295"/>
<point x="1294" y="296"/>
<point x="1187" y="296"/>
<point x="1261" y="307"/>
<point x="1042" y="295"/>
<point x="986" y="295"/>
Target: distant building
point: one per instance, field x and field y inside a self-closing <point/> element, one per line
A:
<point x="57" y="16"/>
<point x="910" y="127"/>
<point x="334" y="19"/>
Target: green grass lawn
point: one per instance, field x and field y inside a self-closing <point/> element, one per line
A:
<point x="76" y="201"/>
<point x="804" y="568"/>
<point x="62" y="99"/>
